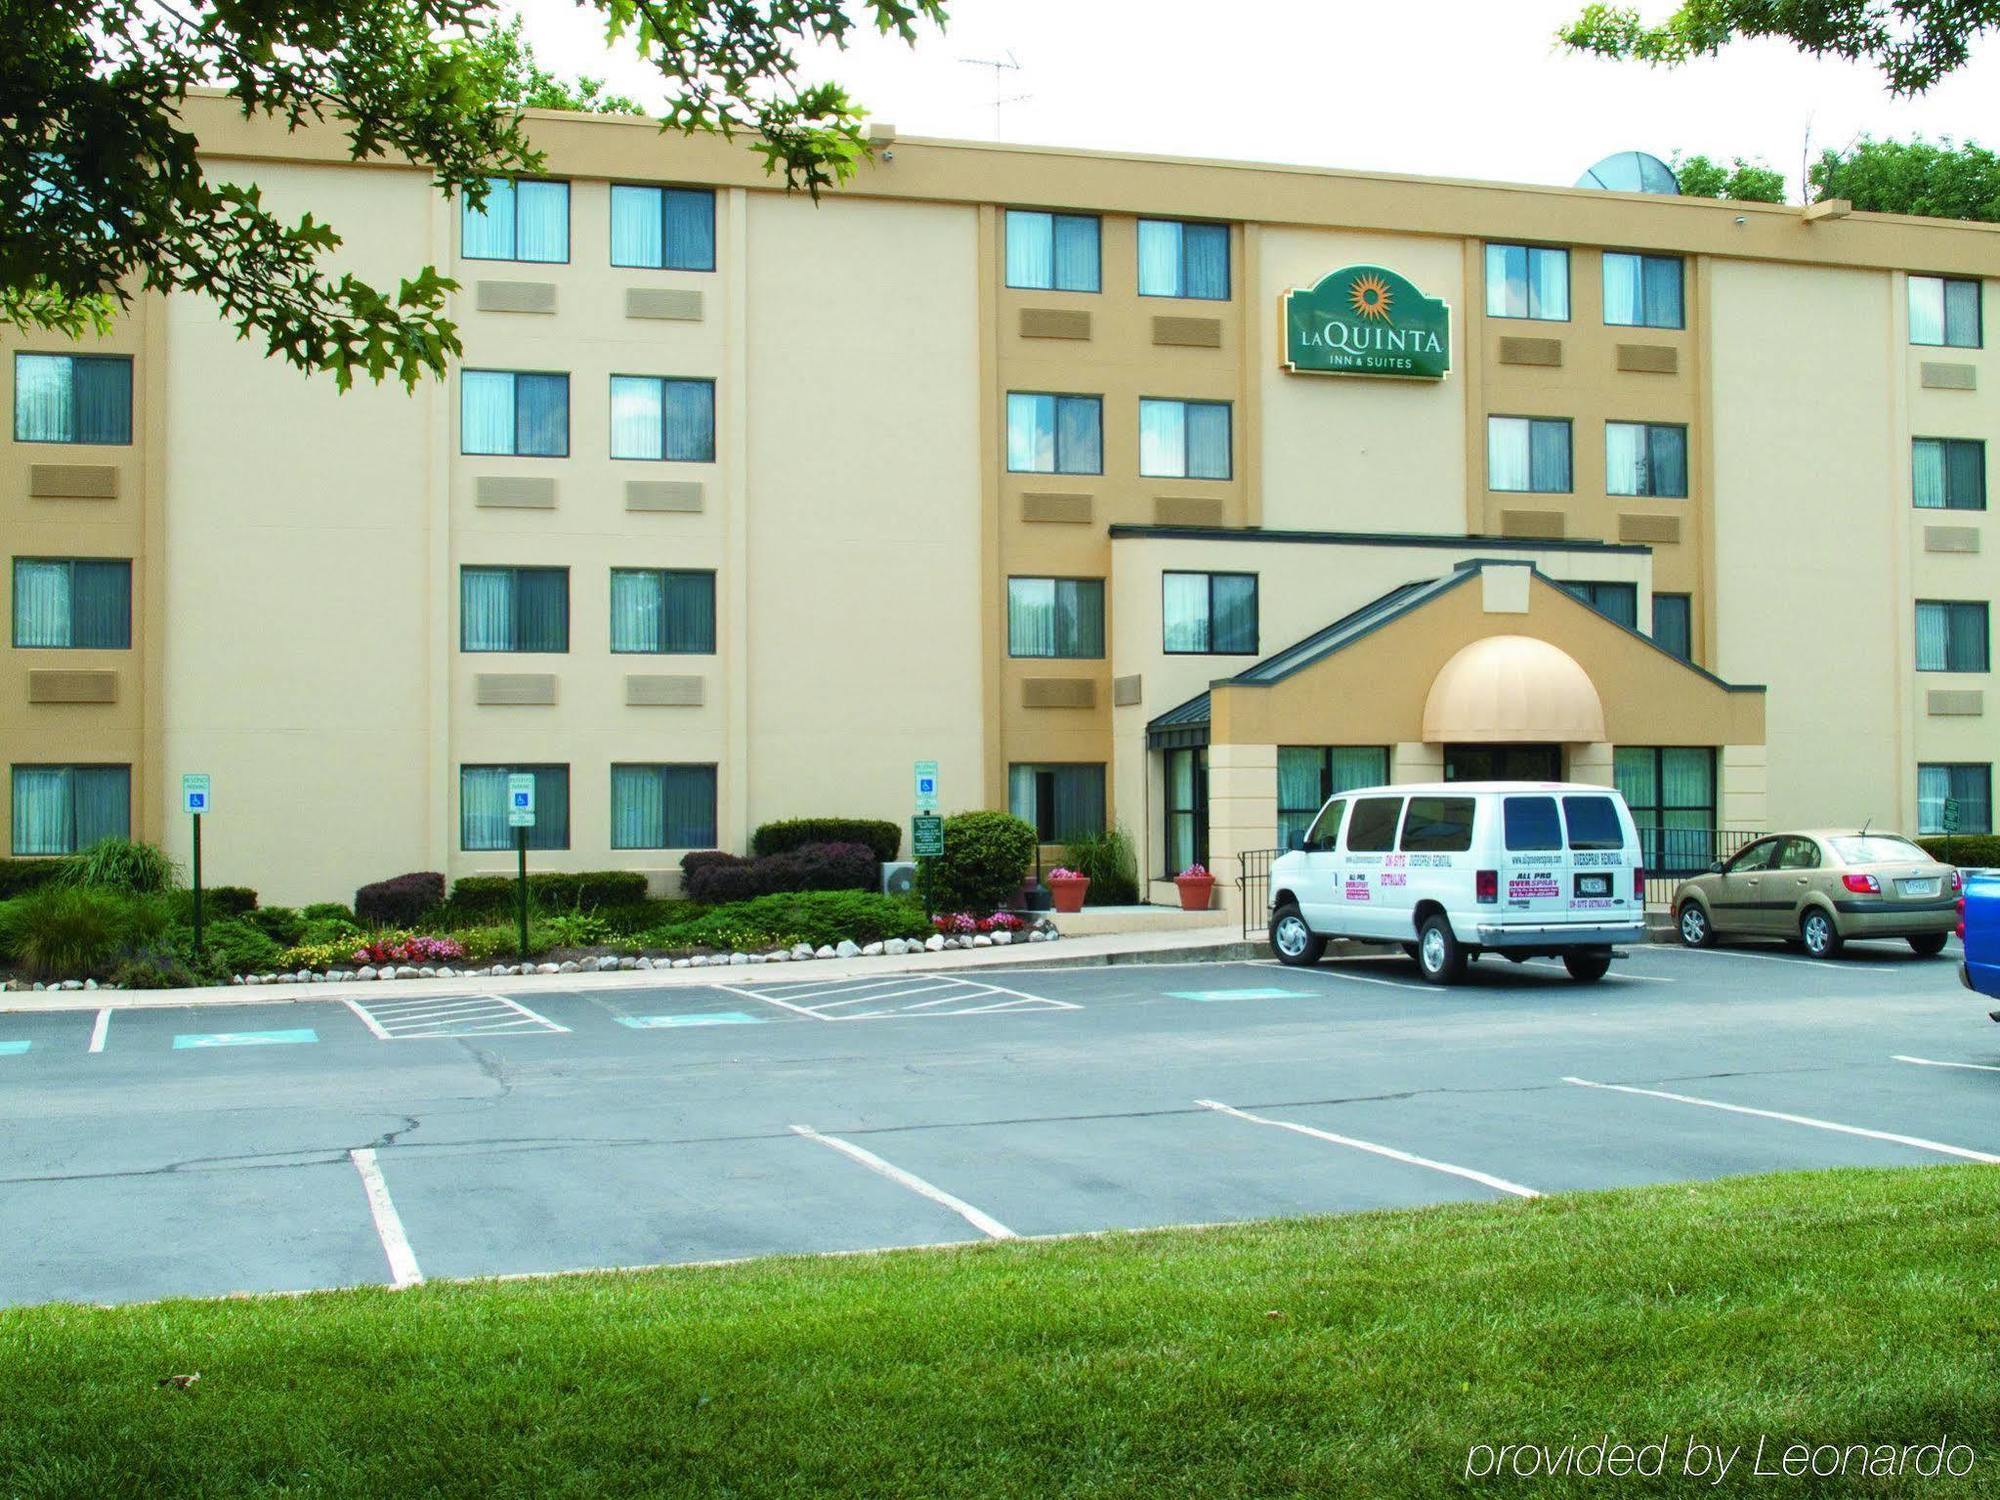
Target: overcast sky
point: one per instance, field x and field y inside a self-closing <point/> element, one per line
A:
<point x="1450" y="88"/>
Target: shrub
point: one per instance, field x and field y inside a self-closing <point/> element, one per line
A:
<point x="156" y="967"/>
<point x="67" y="931"/>
<point x="401" y="901"/>
<point x="235" y="946"/>
<point x="882" y="838"/>
<point x="1107" y="861"/>
<point x="816" y="917"/>
<point x="986" y="857"/>
<point x="327" y="911"/>
<point x="18" y="876"/>
<point x="819" y="867"/>
<point x="499" y="941"/>
<point x="217" y="901"/>
<point x="280" y="924"/>
<point x="637" y="916"/>
<point x="1969" y="850"/>
<point x="335" y="955"/>
<point x="116" y="864"/>
<point x="718" y="879"/>
<point x="330" y="930"/>
<point x="576" y="929"/>
<point x="482" y="897"/>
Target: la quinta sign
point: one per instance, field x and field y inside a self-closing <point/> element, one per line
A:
<point x="1366" y="320"/>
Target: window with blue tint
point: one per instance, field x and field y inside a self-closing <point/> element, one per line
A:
<point x="1529" y="824"/>
<point x="659" y="417"/>
<point x="1646" y="458"/>
<point x="1061" y="802"/>
<point x="75" y="603"/>
<point x="1642" y="291"/>
<point x="1183" y="439"/>
<point x="1052" y="252"/>
<point x="662" y="807"/>
<point x="1944" y="310"/>
<point x="1951" y="635"/>
<point x="72" y="398"/>
<point x="61" y="809"/>
<point x="1673" y="624"/>
<point x="482" y="807"/>
<point x="1967" y="783"/>
<point x="513" y="412"/>
<point x="1593" y="823"/>
<point x="513" y="609"/>
<point x="1183" y="260"/>
<point x="1049" y="434"/>
<point x="520" y="220"/>
<point x="1527" y="281"/>
<point x="1948" y="473"/>
<point x="663" y="611"/>
<point x="1618" y="600"/>
<point x="664" y="228"/>
<point x="1055" y="617"/>
<point x="1208" y="614"/>
<point x="1528" y="455"/>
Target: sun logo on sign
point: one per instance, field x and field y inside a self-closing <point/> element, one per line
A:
<point x="1370" y="297"/>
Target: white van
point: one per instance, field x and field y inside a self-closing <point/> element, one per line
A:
<point x="1454" y="869"/>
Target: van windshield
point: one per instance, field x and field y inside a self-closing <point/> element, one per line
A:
<point x="1372" y="829"/>
<point x="1531" y="824"/>
<point x="1593" y="823"/>
<point x="1326" y="827"/>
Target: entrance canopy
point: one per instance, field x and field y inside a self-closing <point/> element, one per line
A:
<point x="1512" y="689"/>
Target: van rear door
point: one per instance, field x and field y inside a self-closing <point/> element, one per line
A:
<point x="1535" y="874"/>
<point x="1603" y="853"/>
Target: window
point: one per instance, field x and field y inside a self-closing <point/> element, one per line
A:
<point x="1797" y="854"/>
<point x="513" y="609"/>
<point x="1642" y="291"/>
<point x="1054" y="434"/>
<point x="1527" y="281"/>
<point x="656" y="417"/>
<point x="80" y="603"/>
<point x="1372" y="827"/>
<point x="1945" y="311"/>
<point x="1593" y="823"/>
<point x="1646" y="458"/>
<point x="1529" y="455"/>
<point x="1530" y="826"/>
<point x="1673" y="624"/>
<point x="1970" y="786"/>
<point x="1183" y="260"/>
<point x="1187" y="810"/>
<point x="1055" y="617"/>
<point x="1212" y="614"/>
<point x="662" y="611"/>
<point x="1052" y="252"/>
<point x="513" y="412"/>
<point x="72" y="398"/>
<point x="1948" y="473"/>
<point x="1309" y="774"/>
<point x="518" y="221"/>
<point x="663" y="807"/>
<point x="1757" y="857"/>
<point x="1671" y="791"/>
<point x="1951" y="635"/>
<point x="1324" y="834"/>
<point x="61" y="809"/>
<point x="1062" y="802"/>
<point x="1618" y="600"/>
<point x="1878" y="848"/>
<point x="663" y="228"/>
<point x="1438" y="825"/>
<point x="482" y="807"/>
<point x="1183" y="439"/>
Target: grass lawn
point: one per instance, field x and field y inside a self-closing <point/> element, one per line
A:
<point x="1353" y="1356"/>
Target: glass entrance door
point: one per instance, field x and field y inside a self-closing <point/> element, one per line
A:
<point x="1503" y="762"/>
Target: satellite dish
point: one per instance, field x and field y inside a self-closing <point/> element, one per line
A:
<point x="1632" y="172"/>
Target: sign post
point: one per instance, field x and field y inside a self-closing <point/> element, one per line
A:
<point x="1950" y="825"/>
<point x="195" y="802"/>
<point x="520" y="818"/>
<point x="926" y="828"/>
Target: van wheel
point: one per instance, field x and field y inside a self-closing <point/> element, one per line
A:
<point x="1294" y="942"/>
<point x="1587" y="965"/>
<point x="1694" y="926"/>
<point x="1439" y="955"/>
<point x="1928" y="944"/>
<point x="1820" y="936"/>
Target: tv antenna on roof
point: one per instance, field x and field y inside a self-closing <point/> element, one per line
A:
<point x="1011" y="65"/>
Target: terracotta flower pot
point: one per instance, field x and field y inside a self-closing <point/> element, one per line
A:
<point x="1195" y="891"/>
<point x="1068" y="892"/>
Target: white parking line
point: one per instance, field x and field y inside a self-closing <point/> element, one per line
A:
<point x="1817" y="966"/>
<point x="987" y="1225"/>
<point x="1556" y="968"/>
<point x="97" y="1032"/>
<point x="895" y="995"/>
<point x="1915" y="1141"/>
<point x="388" y="1223"/>
<point x="443" y="1017"/>
<point x="1499" y="1184"/>
<point x="1932" y="1062"/>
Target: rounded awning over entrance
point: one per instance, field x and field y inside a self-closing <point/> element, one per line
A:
<point x="1513" y="689"/>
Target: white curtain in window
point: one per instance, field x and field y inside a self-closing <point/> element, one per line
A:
<point x="637" y="611"/>
<point x="41" y="810"/>
<point x="1926" y="310"/>
<point x="635" y="226"/>
<point x="1300" y="770"/>
<point x="638" y="807"/>
<point x="1506" y="281"/>
<point x="1927" y="473"/>
<point x="482" y="808"/>
<point x="1548" y="286"/>
<point x="42" y="603"/>
<point x="1507" y="453"/>
<point x="1624" y="458"/>
<point x="1021" y="792"/>
<point x="542" y="216"/>
<point x="1933" y="637"/>
<point x="1163" y="439"/>
<point x="44" y="410"/>
<point x="1184" y="600"/>
<point x="486" y="609"/>
<point x="1623" y="291"/>
<point x="1030" y="249"/>
<point x="488" y="231"/>
<point x="486" y="411"/>
<point x="1159" y="258"/>
<point x="1933" y="786"/>
<point x="1031" y="617"/>
<point x="1031" y="433"/>
<point x="1359" y="766"/>
<point x="637" y="430"/>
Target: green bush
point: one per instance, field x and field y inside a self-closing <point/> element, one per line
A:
<point x="235" y="946"/>
<point x="21" y="875"/>
<point x="1107" y="860"/>
<point x="816" y="917"/>
<point x="882" y="838"/>
<point x="638" y="916"/>
<point x="479" y="898"/>
<point x="325" y="930"/>
<point x="1969" y="850"/>
<point x="499" y="942"/>
<point x="986" y="857"/>
<point x="217" y="901"/>
<point x="68" y="931"/>
<point x="116" y="864"/>
<point x="329" y="911"/>
<point x="157" y="967"/>
<point x="575" y="929"/>
<point x="280" y="924"/>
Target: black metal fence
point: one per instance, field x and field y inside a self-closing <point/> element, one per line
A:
<point x="1253" y="888"/>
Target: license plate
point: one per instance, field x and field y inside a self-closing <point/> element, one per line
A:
<point x="1593" y="885"/>
<point x="1917" y="887"/>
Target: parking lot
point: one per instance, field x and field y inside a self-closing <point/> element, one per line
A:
<point x="450" y="1132"/>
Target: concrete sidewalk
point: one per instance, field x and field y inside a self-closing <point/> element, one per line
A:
<point x="1184" y="945"/>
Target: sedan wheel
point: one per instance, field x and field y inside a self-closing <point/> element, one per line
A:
<point x="1695" y="931"/>
<point x="1817" y="932"/>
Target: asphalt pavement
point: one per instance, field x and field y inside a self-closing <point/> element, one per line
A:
<point x="167" y="1151"/>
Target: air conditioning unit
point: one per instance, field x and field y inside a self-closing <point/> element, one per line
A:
<point x="899" y="878"/>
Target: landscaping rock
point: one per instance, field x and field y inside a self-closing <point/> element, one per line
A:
<point x="981" y="940"/>
<point x="934" y="943"/>
<point x="779" y="956"/>
<point x="848" y="948"/>
<point x="871" y="950"/>
<point x="683" y="963"/>
<point x="823" y="951"/>
<point x="642" y="963"/>
<point x="802" y="950"/>
<point x="90" y="984"/>
<point x="1002" y="939"/>
<point x="1037" y="936"/>
<point x="366" y="971"/>
<point x="739" y="958"/>
<point x="547" y="969"/>
<point x="607" y="964"/>
<point x="895" y="947"/>
<point x="628" y="963"/>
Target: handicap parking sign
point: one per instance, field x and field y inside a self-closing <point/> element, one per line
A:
<point x="194" y="793"/>
<point x="521" y="801"/>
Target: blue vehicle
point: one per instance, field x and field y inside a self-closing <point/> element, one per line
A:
<point x="1980" y="928"/>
